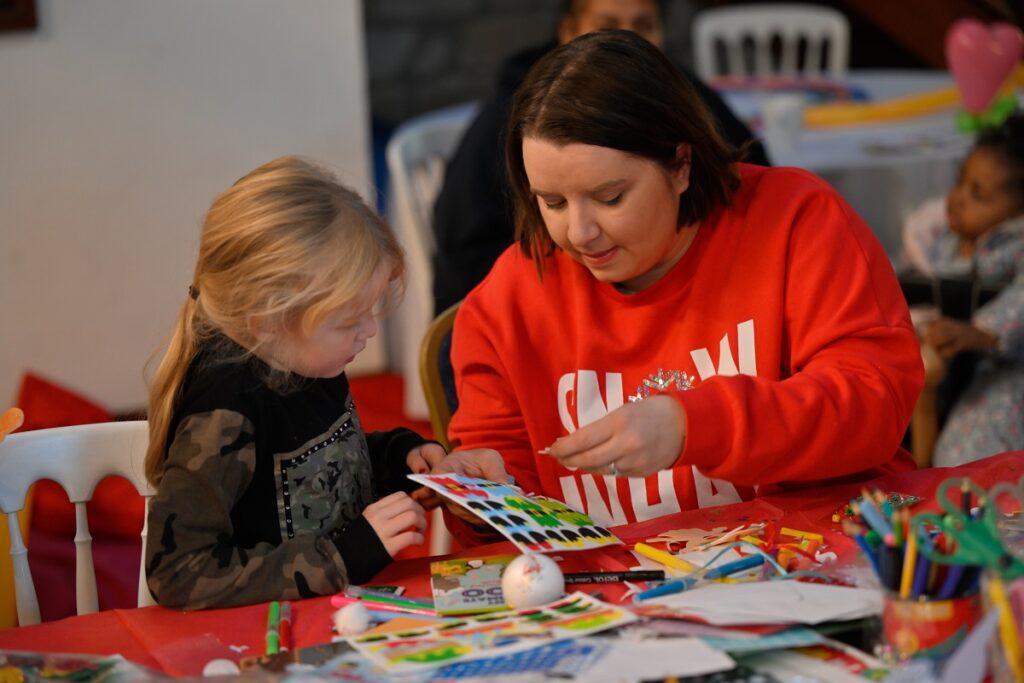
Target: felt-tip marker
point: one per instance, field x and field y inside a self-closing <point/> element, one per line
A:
<point x="612" y="577"/>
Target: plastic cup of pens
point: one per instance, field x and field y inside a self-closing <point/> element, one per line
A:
<point x="926" y="627"/>
<point x="927" y="570"/>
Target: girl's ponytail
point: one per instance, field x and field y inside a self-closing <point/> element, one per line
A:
<point x="166" y="386"/>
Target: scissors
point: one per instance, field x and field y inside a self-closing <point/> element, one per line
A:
<point x="977" y="539"/>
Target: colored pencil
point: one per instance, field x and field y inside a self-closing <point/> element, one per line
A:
<point x="874" y="517"/>
<point x="854" y="532"/>
<point x="1007" y="629"/>
<point x="909" y="564"/>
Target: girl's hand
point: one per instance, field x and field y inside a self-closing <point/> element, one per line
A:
<point x="421" y="460"/>
<point x="482" y="463"/>
<point x="635" y="440"/>
<point x="424" y="458"/>
<point x="949" y="337"/>
<point x="398" y="521"/>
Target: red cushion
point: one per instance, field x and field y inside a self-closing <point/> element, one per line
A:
<point x="116" y="508"/>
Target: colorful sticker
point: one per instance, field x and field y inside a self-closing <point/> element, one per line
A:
<point x="490" y="635"/>
<point x="533" y="523"/>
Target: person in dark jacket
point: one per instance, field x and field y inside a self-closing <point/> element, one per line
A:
<point x="472" y="215"/>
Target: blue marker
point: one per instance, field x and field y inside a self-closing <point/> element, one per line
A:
<point x="735" y="567"/>
<point x="685" y="583"/>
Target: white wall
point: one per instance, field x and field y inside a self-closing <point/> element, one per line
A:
<point x="120" y="120"/>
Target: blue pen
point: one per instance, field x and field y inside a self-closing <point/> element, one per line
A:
<point x="678" y="585"/>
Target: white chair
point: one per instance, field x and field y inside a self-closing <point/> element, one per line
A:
<point x="769" y="37"/>
<point x="416" y="156"/>
<point x="77" y="458"/>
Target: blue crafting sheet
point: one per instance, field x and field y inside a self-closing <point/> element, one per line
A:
<point x="565" y="655"/>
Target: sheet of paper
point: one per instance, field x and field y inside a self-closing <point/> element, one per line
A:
<point x="773" y="602"/>
<point x="533" y="523"/>
<point x="663" y="658"/>
<point x="489" y="635"/>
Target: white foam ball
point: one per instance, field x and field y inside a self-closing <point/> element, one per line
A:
<point x="351" y="619"/>
<point x="532" y="580"/>
<point x="221" y="667"/>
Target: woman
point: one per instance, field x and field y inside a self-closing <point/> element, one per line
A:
<point x="674" y="328"/>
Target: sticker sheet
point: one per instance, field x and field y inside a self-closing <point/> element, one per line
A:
<point x="425" y="648"/>
<point x="533" y="523"/>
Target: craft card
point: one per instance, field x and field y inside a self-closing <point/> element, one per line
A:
<point x="468" y="585"/>
<point x="563" y="659"/>
<point x="490" y="635"/>
<point x="533" y="523"/>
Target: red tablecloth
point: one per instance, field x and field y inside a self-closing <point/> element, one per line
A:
<point x="181" y="643"/>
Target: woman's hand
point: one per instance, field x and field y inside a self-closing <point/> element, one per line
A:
<point x="949" y="337"/>
<point x="421" y="460"/>
<point x="635" y="440"/>
<point x="398" y="521"/>
<point x="482" y="463"/>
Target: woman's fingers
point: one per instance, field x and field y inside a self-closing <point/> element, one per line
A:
<point x="638" y="439"/>
<point x="428" y="498"/>
<point x="463" y="514"/>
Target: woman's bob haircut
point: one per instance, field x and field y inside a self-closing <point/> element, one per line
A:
<point x="615" y="89"/>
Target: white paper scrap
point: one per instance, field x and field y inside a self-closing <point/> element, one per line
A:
<point x="774" y="602"/>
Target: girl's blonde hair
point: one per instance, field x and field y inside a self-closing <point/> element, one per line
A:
<point x="282" y="248"/>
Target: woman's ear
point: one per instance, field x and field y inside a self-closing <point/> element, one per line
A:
<point x="681" y="172"/>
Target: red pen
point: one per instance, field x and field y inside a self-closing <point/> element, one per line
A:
<point x="284" y="627"/>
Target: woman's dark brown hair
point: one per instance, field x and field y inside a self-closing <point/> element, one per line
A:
<point x="614" y="89"/>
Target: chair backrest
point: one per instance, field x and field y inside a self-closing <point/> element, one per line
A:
<point x="771" y="39"/>
<point x="437" y="375"/>
<point x="77" y="458"/>
<point x="438" y="380"/>
<point x="416" y="156"/>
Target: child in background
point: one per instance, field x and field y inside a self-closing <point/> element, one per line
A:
<point x="268" y="487"/>
<point x="978" y="232"/>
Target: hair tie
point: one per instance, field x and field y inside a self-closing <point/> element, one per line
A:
<point x="193" y="292"/>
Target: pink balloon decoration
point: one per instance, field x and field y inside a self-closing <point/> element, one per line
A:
<point x="981" y="57"/>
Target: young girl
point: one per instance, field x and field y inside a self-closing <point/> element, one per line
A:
<point x="978" y="232"/>
<point x="267" y="486"/>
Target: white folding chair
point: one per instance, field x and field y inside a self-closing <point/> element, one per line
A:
<point x="416" y="156"/>
<point x="768" y="38"/>
<point x="77" y="458"/>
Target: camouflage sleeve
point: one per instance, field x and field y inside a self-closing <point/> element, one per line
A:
<point x="388" y="453"/>
<point x="191" y="561"/>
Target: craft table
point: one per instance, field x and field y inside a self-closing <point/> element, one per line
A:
<point x="181" y="643"/>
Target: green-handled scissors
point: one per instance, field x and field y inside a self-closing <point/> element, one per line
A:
<point x="977" y="539"/>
